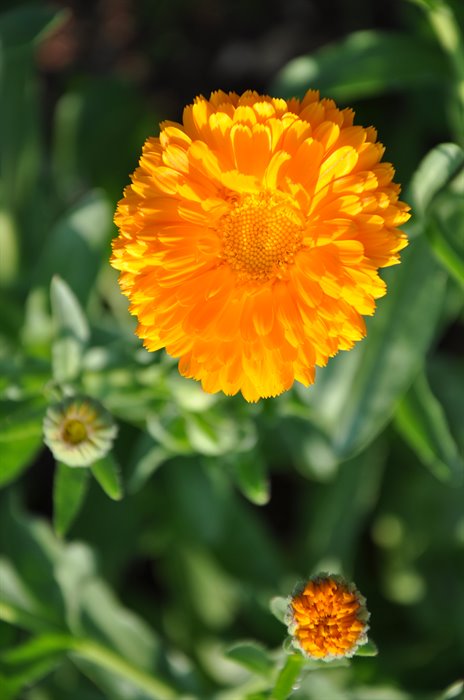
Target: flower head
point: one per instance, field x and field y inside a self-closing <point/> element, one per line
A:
<point x="327" y="618"/>
<point x="78" y="431"/>
<point x="251" y="237"/>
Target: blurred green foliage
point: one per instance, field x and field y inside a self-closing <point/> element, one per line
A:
<point x="163" y="589"/>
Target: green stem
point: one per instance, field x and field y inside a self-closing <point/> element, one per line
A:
<point x="96" y="653"/>
<point x="153" y="687"/>
<point x="288" y="677"/>
<point x="33" y="622"/>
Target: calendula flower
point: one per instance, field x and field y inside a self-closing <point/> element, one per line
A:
<point x="78" y="431"/>
<point x="327" y="618"/>
<point x="251" y="237"/>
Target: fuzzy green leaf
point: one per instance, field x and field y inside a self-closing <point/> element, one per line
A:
<point x="364" y="64"/>
<point x="279" y="608"/>
<point x="368" y="649"/>
<point x="69" y="490"/>
<point x="445" y="229"/>
<point x="439" y="167"/>
<point x="75" y="246"/>
<point x="72" y="331"/>
<point x="28" y="25"/>
<point x="21" y="29"/>
<point x="253" y="657"/>
<point x="250" y="473"/>
<point x="20" y="436"/>
<point x="144" y="461"/>
<point x="442" y="241"/>
<point x="107" y="473"/>
<point x="422" y="422"/>
<point x="357" y="393"/>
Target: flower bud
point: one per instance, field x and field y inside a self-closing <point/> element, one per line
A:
<point x="327" y="618"/>
<point x="78" y="431"/>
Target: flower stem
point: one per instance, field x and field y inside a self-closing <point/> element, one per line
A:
<point x="288" y="677"/>
<point x="152" y="687"/>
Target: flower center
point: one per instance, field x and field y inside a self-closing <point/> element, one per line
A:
<point x="327" y="620"/>
<point x="74" y="431"/>
<point x="261" y="234"/>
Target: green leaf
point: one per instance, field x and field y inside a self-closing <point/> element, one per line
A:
<point x="340" y="509"/>
<point x="12" y="311"/>
<point x="205" y="434"/>
<point x="365" y="64"/>
<point x="81" y="116"/>
<point x="107" y="473"/>
<point x="93" y="610"/>
<point x="311" y="450"/>
<point x="20" y="31"/>
<point x="19" y="604"/>
<point x="454" y="692"/>
<point x="439" y="167"/>
<point x="69" y="490"/>
<point x="250" y="473"/>
<point x="447" y="380"/>
<point x="20" y="436"/>
<point x="37" y="330"/>
<point x="252" y="656"/>
<point x="76" y="245"/>
<point x="442" y="241"/>
<point x="279" y="608"/>
<point x="30" y="597"/>
<point x="147" y="456"/>
<point x="422" y="422"/>
<point x="356" y="394"/>
<point x="9" y="245"/>
<point x="288" y="677"/>
<point x="66" y="359"/>
<point x="36" y="649"/>
<point x="67" y="311"/>
<point x="28" y="663"/>
<point x="449" y="35"/>
<point x="122" y="648"/>
<point x="196" y="508"/>
<point x="72" y="331"/>
<point x="445" y="229"/>
<point x="9" y="687"/>
<point x="116" y="667"/>
<point x="213" y="594"/>
<point x="111" y="642"/>
<point x="27" y="677"/>
<point x="29" y="25"/>
<point x="169" y="430"/>
<point x="212" y="433"/>
<point x="368" y="649"/>
<point x="44" y="652"/>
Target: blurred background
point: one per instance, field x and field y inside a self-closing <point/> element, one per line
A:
<point x="224" y="505"/>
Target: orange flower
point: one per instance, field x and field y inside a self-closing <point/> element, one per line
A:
<point x="251" y="237"/>
<point x="328" y="618"/>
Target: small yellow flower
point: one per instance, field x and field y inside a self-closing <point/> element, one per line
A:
<point x="251" y="238"/>
<point x="327" y="618"/>
<point x="78" y="431"/>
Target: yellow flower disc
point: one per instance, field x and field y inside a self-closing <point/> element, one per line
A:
<point x="328" y="618"/>
<point x="74" y="431"/>
<point x="251" y="238"/>
<point x="260" y="235"/>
